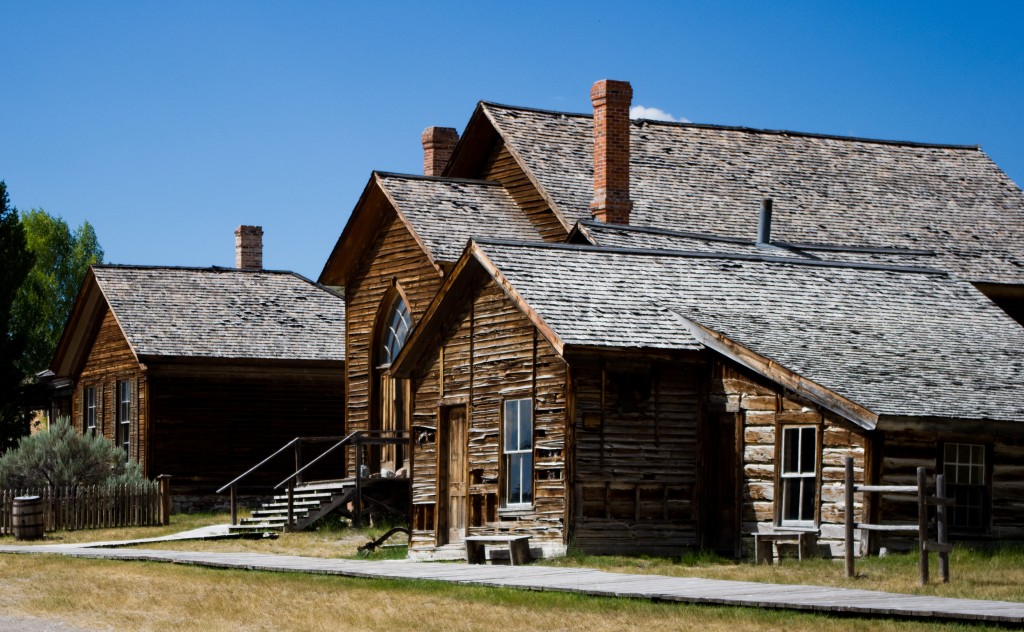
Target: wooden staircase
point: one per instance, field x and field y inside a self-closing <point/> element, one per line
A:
<point x="311" y="502"/>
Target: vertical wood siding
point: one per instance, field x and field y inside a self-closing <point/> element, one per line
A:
<point x="635" y="449"/>
<point x="501" y="166"/>
<point x="492" y="353"/>
<point x="395" y="254"/>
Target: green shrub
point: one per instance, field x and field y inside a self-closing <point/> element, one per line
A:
<point x="61" y="457"/>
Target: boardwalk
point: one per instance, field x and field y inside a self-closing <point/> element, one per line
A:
<point x="819" y="599"/>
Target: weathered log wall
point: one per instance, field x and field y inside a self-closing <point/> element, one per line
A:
<point x="911" y="444"/>
<point x="492" y="353"/>
<point x="764" y="408"/>
<point x="635" y="455"/>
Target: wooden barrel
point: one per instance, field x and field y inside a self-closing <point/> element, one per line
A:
<point x="27" y="518"/>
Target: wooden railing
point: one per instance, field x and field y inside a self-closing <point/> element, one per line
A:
<point x="924" y="545"/>
<point x="357" y="438"/>
<point x="96" y="507"/>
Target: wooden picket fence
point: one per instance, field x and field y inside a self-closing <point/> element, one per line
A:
<point x="71" y="508"/>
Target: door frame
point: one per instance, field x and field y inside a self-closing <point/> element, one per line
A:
<point x="441" y="528"/>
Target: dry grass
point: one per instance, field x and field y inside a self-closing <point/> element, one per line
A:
<point x="974" y="575"/>
<point x="150" y="596"/>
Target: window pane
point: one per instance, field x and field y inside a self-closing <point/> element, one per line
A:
<point x="527" y="477"/>
<point x="807" y="499"/>
<point x="790" y="450"/>
<point x="790" y="499"/>
<point x="515" y="476"/>
<point x="808" y="450"/>
<point x="525" y="425"/>
<point x="511" y="425"/>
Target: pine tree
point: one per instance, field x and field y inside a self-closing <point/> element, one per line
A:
<point x="16" y="260"/>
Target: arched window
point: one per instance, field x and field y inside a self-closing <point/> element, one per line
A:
<point x="396" y="329"/>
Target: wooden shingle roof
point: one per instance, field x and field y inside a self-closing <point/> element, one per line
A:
<point x="703" y="178"/>
<point x="446" y="212"/>
<point x="169" y="312"/>
<point x="895" y="341"/>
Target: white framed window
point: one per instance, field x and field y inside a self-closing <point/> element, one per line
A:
<point x="397" y="325"/>
<point x="964" y="467"/>
<point x="90" y="410"/>
<point x="799" y="475"/>
<point x="124" y="416"/>
<point x="517" y="453"/>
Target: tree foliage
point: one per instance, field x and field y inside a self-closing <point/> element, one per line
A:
<point x="16" y="261"/>
<point x="61" y="457"/>
<point x="44" y="300"/>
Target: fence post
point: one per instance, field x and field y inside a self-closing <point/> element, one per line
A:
<point x="298" y="461"/>
<point x="941" y="515"/>
<point x="922" y="524"/>
<point x="357" y="514"/>
<point x="164" y="481"/>
<point x="291" y="505"/>
<point x="234" y="505"/>
<point x="849" y="517"/>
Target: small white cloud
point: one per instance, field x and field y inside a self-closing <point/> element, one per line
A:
<point x="653" y="114"/>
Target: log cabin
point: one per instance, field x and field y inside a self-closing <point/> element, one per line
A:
<point x="632" y="371"/>
<point x="200" y="373"/>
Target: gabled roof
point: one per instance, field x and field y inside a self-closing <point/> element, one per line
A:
<point x="827" y="189"/>
<point x="211" y="313"/>
<point x="441" y="213"/>
<point x="864" y="340"/>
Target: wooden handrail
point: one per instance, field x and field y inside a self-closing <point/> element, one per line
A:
<point x="259" y="465"/>
<point x="357" y="437"/>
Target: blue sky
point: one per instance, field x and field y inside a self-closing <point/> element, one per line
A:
<point x="166" y="125"/>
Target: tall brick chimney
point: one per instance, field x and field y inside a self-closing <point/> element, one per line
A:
<point x="249" y="247"/>
<point x="611" y="101"/>
<point x="438" y="145"/>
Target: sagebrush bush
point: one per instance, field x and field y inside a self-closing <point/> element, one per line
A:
<point x="61" y="457"/>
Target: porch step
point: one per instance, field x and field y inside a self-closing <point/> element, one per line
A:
<point x="310" y="502"/>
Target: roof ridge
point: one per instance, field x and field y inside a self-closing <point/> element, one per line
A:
<point x="135" y="266"/>
<point x="691" y="254"/>
<point x="413" y="176"/>
<point x="653" y="230"/>
<point x="753" y="130"/>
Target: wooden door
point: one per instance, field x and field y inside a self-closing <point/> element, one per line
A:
<point x="455" y="473"/>
<point x="721" y="511"/>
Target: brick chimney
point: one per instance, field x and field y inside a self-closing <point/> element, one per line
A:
<point x="611" y="101"/>
<point x="249" y="247"/>
<point x="438" y="145"/>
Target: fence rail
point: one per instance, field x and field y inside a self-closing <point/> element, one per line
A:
<point x="71" y="508"/>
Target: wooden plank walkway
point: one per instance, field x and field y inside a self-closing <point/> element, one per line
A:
<point x="820" y="599"/>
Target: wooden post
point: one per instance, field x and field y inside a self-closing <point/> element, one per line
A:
<point x="234" y="505"/>
<point x="298" y="460"/>
<point x="291" y="506"/>
<point x="922" y="524"/>
<point x="941" y="515"/>
<point x="164" y="481"/>
<point x="849" y="517"/>
<point x="357" y="512"/>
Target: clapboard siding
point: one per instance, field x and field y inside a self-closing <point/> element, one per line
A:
<point x="635" y="455"/>
<point x="109" y="361"/>
<point x="502" y="166"/>
<point x="395" y="256"/>
<point x="491" y="353"/>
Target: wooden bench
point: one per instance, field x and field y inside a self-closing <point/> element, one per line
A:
<point x="518" y="548"/>
<point x="765" y="541"/>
